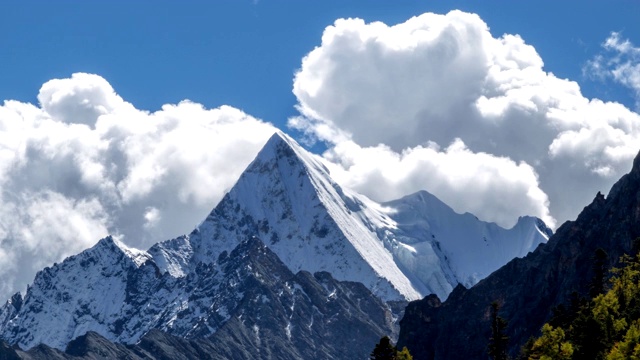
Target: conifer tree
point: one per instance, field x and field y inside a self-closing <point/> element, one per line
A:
<point x="551" y="345"/>
<point x="404" y="354"/>
<point x="600" y="268"/>
<point x="499" y="340"/>
<point x="384" y="350"/>
<point x="604" y="327"/>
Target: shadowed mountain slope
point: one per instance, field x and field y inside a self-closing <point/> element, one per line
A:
<point x="527" y="288"/>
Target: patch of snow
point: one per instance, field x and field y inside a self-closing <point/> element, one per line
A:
<point x="287" y="330"/>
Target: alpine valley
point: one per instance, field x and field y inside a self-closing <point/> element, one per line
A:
<point x="289" y="265"/>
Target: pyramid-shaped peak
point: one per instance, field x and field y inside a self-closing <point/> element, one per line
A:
<point x="278" y="138"/>
<point x="281" y="147"/>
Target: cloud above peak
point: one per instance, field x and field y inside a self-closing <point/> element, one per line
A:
<point x="479" y="183"/>
<point x="407" y="91"/>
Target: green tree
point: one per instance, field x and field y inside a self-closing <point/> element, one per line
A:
<point x="526" y="351"/>
<point x="629" y="347"/>
<point x="604" y="327"/>
<point x="384" y="350"/>
<point x="499" y="341"/>
<point x="404" y="354"/>
<point x="586" y="335"/>
<point x="551" y="345"/>
<point x="600" y="268"/>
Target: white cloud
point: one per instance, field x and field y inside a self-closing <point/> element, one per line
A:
<point x="479" y="183"/>
<point x="152" y="217"/>
<point x="393" y="94"/>
<point x="372" y="79"/>
<point x="620" y="62"/>
<point x="39" y="228"/>
<point x="85" y="163"/>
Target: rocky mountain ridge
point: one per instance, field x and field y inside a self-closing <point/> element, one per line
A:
<point x="257" y="307"/>
<point x="527" y="288"/>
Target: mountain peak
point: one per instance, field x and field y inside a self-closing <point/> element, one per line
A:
<point x="281" y="147"/>
<point x="287" y="198"/>
<point x="636" y="164"/>
<point x="279" y="139"/>
<point x="107" y="242"/>
<point x="297" y="221"/>
<point x="110" y="245"/>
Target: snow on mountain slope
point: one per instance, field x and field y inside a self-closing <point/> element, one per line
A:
<point x="400" y="250"/>
<point x="404" y="249"/>
<point x="287" y="198"/>
<point x="66" y="300"/>
<point x="443" y="248"/>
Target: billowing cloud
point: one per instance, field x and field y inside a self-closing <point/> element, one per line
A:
<point x="39" y="228"/>
<point x="479" y="183"/>
<point x="397" y="94"/>
<point x="85" y="163"/>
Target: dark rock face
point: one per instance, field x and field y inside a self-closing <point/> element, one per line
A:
<point x="89" y="346"/>
<point x="271" y="313"/>
<point x="296" y="316"/>
<point x="527" y="289"/>
<point x="7" y="352"/>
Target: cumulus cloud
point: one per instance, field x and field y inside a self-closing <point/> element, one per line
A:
<point x="85" y="163"/>
<point x="38" y="228"/>
<point x="401" y="92"/>
<point x="479" y="183"/>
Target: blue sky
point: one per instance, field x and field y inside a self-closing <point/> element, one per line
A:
<point x="244" y="54"/>
<point x="531" y="117"/>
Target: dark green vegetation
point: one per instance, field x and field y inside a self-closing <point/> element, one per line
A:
<point x="499" y="341"/>
<point x="567" y="268"/>
<point x="385" y="350"/>
<point x="606" y="326"/>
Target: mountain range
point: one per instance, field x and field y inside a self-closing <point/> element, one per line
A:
<point x="288" y="265"/>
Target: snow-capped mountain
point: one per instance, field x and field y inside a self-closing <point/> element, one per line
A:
<point x="429" y="236"/>
<point x="248" y="305"/>
<point x="401" y="250"/>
